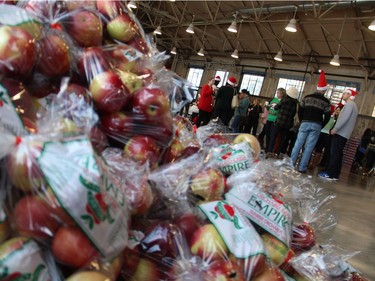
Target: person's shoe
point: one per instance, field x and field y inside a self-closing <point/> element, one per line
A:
<point x="302" y="172"/>
<point x="325" y="175"/>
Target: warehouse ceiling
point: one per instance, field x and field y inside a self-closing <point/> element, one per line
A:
<point x="324" y="28"/>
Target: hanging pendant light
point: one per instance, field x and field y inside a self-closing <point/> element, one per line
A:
<point x="233" y="25"/>
<point x="336" y="58"/>
<point x="201" y="52"/>
<point x="132" y="5"/>
<point x="292" y="26"/>
<point x="235" y="52"/>
<point x="279" y="56"/>
<point x="372" y="26"/>
<point x="190" y="28"/>
<point x="158" y="30"/>
<point x="174" y="51"/>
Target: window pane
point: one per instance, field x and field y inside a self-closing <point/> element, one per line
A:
<point x="252" y="83"/>
<point x="286" y="83"/>
<point x="195" y="76"/>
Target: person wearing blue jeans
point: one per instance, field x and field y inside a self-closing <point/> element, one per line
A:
<point x="314" y="113"/>
<point x="308" y="135"/>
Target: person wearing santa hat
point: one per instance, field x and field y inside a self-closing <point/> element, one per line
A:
<point x="223" y="104"/>
<point x="340" y="134"/>
<point x="314" y="113"/>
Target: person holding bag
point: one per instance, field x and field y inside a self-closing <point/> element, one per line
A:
<point x="223" y="105"/>
<point x="239" y="119"/>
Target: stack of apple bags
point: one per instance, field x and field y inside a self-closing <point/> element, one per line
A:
<point x="100" y="182"/>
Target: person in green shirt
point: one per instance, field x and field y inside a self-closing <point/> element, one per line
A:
<point x="272" y="116"/>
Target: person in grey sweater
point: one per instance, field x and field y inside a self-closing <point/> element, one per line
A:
<point x="340" y="133"/>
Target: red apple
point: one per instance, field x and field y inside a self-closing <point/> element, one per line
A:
<point x="22" y="166"/>
<point x="85" y="27"/>
<point x="71" y="247"/>
<point x="146" y="270"/>
<point x="43" y="9"/>
<point x="54" y="55"/>
<point x="122" y="28"/>
<point x="207" y="243"/>
<point x="173" y="152"/>
<point x="151" y="103"/>
<point x="131" y="80"/>
<point x="215" y="140"/>
<point x="131" y="260"/>
<point x="17" y="52"/>
<point x="98" y="139"/>
<point x="118" y="125"/>
<point x="188" y="224"/>
<point x="109" y="8"/>
<point x="140" y="196"/>
<point x="40" y="85"/>
<point x="159" y="241"/>
<point x="223" y="270"/>
<point x="124" y="57"/>
<point x="31" y="217"/>
<point x="277" y="251"/>
<point x="91" y="62"/>
<point x="270" y="274"/>
<point x="303" y="237"/>
<point x="251" y="266"/>
<point x="88" y="275"/>
<point x="355" y="276"/>
<point x="208" y="184"/>
<point x="142" y="149"/>
<point x="252" y="141"/>
<point x="108" y="92"/>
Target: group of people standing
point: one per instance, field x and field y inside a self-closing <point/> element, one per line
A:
<point x="318" y="120"/>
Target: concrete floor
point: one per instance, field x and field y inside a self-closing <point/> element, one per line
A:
<point x="354" y="208"/>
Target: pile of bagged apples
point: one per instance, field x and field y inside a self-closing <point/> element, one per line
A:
<point x="101" y="180"/>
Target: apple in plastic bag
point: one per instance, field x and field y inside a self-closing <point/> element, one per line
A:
<point x="109" y="8"/>
<point x="188" y="224"/>
<point x="208" y="184"/>
<point x="223" y="270"/>
<point x="146" y="270"/>
<point x="17" y="52"/>
<point x="72" y="5"/>
<point x="117" y="124"/>
<point x="98" y="139"/>
<point x="91" y="62"/>
<point x="108" y="92"/>
<point x="173" y="152"/>
<point x="4" y="229"/>
<point x="355" y="276"/>
<point x="31" y="217"/>
<point x="54" y="57"/>
<point x="71" y="247"/>
<point x="141" y="149"/>
<point x="271" y="273"/>
<point x="207" y="243"/>
<point x="22" y="166"/>
<point x="122" y="28"/>
<point x="140" y="197"/>
<point x="124" y="58"/>
<point x="303" y="237"/>
<point x="251" y="266"/>
<point x="131" y="80"/>
<point x="215" y="140"/>
<point x="252" y="141"/>
<point x="140" y="44"/>
<point x="88" y="275"/>
<point x="130" y="261"/>
<point x="85" y="27"/>
<point x="277" y="251"/>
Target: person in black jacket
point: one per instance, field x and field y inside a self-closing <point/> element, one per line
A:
<point x="253" y="113"/>
<point x="223" y="105"/>
<point x="314" y="113"/>
<point x="285" y="120"/>
<point x="361" y="150"/>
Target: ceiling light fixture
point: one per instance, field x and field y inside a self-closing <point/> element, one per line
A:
<point x="158" y="30"/>
<point x="190" y="28"/>
<point x="233" y="25"/>
<point x="201" y="52"/>
<point x="372" y="26"/>
<point x="132" y="5"/>
<point x="174" y="51"/>
<point x="235" y="52"/>
<point x="279" y="56"/>
<point x="292" y="25"/>
<point x="336" y="58"/>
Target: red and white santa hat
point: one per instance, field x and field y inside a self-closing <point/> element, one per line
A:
<point x="232" y="81"/>
<point x="322" y="84"/>
<point x="352" y="93"/>
<point x="217" y="78"/>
